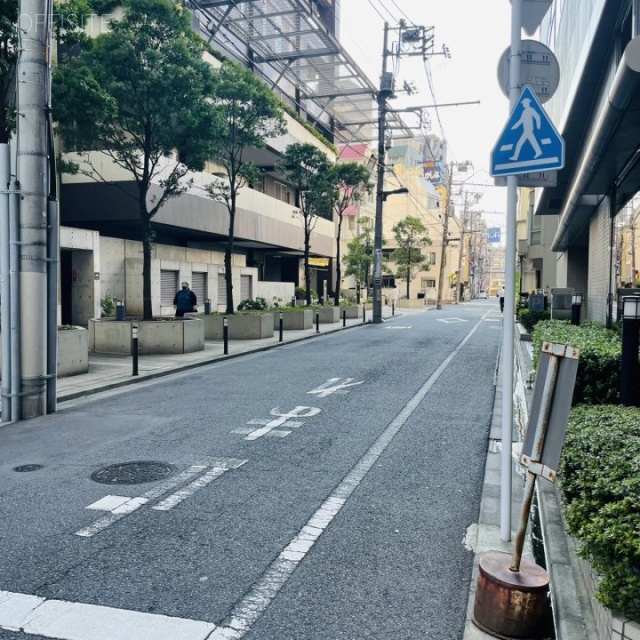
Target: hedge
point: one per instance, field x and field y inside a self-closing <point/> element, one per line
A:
<point x="599" y="479"/>
<point x="597" y="380"/>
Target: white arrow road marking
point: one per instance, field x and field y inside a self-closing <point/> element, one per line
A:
<point x="121" y="506"/>
<point x="282" y="420"/>
<point x="333" y="385"/>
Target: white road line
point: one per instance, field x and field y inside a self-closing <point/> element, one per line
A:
<point x="106" y="521"/>
<point x="333" y="385"/>
<point x="254" y="604"/>
<point x="77" y="621"/>
<point x="186" y="492"/>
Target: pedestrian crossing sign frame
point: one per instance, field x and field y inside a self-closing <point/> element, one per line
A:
<point x="529" y="141"/>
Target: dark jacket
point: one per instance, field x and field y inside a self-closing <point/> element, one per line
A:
<point x="185" y="300"/>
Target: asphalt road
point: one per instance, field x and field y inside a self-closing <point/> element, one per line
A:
<point x="318" y="491"/>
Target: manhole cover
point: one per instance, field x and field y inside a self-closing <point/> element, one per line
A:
<point x="135" y="472"/>
<point x="28" y="467"/>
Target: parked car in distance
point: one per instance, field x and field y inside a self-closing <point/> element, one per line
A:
<point x="482" y="295"/>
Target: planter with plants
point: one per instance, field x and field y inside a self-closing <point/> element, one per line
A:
<point x="327" y="314"/>
<point x="352" y="311"/>
<point x="252" y="322"/>
<point x="73" y="350"/>
<point x="293" y="318"/>
<point x="157" y="336"/>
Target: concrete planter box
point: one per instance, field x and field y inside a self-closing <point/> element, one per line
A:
<point x="294" y="319"/>
<point x="353" y="312"/>
<point x="327" y="314"/>
<point x="241" y="326"/>
<point x="107" y="335"/>
<point x="73" y="352"/>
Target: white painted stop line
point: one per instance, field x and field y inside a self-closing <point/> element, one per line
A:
<point x="77" y="621"/>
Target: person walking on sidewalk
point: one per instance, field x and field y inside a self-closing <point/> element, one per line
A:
<point x="184" y="301"/>
<point x="395" y="296"/>
<point x="501" y="296"/>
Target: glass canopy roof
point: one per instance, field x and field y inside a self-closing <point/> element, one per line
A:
<point x="288" y="44"/>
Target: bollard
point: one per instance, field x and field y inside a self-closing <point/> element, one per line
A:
<point x="393" y="308"/>
<point x="134" y="348"/>
<point x="225" y="335"/>
<point x="344" y="317"/>
<point x="207" y="307"/>
<point x="317" y="321"/>
<point x="293" y="301"/>
<point x="364" y="313"/>
<point x="121" y="313"/>
<point x="281" y="325"/>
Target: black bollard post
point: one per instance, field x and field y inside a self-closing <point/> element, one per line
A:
<point x="393" y="308"/>
<point x="281" y="325"/>
<point x="344" y="317"/>
<point x="207" y="307"/>
<point x="629" y="359"/>
<point x="225" y="335"/>
<point x="317" y="321"/>
<point x="576" y="304"/>
<point x="134" y="348"/>
<point x="364" y="313"/>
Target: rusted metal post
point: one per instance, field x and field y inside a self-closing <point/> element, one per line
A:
<point x="541" y="430"/>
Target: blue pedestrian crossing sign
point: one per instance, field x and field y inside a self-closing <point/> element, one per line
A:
<point x="528" y="142"/>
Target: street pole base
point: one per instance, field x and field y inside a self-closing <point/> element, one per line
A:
<point x="511" y="604"/>
<point x="438" y="306"/>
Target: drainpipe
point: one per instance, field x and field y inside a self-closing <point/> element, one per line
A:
<point x="5" y="289"/>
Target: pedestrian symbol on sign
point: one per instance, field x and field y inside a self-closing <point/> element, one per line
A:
<point x="527" y="119"/>
<point x="528" y="142"/>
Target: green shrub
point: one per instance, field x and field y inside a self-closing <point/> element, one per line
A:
<point x="597" y="380"/>
<point x="259" y="304"/>
<point x="528" y="319"/>
<point x="599" y="480"/>
<point x="108" y="306"/>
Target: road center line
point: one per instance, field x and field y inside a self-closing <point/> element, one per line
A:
<point x="255" y="603"/>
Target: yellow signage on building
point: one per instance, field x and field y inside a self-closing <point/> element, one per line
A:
<point x="319" y="262"/>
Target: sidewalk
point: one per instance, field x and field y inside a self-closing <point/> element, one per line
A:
<point x="571" y="606"/>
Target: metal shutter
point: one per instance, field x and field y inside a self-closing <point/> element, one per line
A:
<point x="245" y="288"/>
<point x="199" y="285"/>
<point x="168" y="286"/>
<point x="222" y="290"/>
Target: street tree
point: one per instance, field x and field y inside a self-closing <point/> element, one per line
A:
<point x="307" y="170"/>
<point x="250" y="115"/>
<point x="411" y="237"/>
<point x="351" y="182"/>
<point x="358" y="260"/>
<point x="137" y="94"/>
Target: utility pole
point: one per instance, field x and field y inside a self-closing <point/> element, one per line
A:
<point x="420" y="38"/>
<point x="386" y="90"/>
<point x="445" y="237"/>
<point x="33" y="184"/>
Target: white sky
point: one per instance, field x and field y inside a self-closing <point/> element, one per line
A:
<point x="476" y="33"/>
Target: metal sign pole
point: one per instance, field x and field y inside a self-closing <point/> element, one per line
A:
<point x="509" y="297"/>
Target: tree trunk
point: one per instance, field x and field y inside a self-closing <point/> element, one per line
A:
<point x="307" y="269"/>
<point x="336" y="294"/>
<point x="228" y="276"/>
<point x="147" y="242"/>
